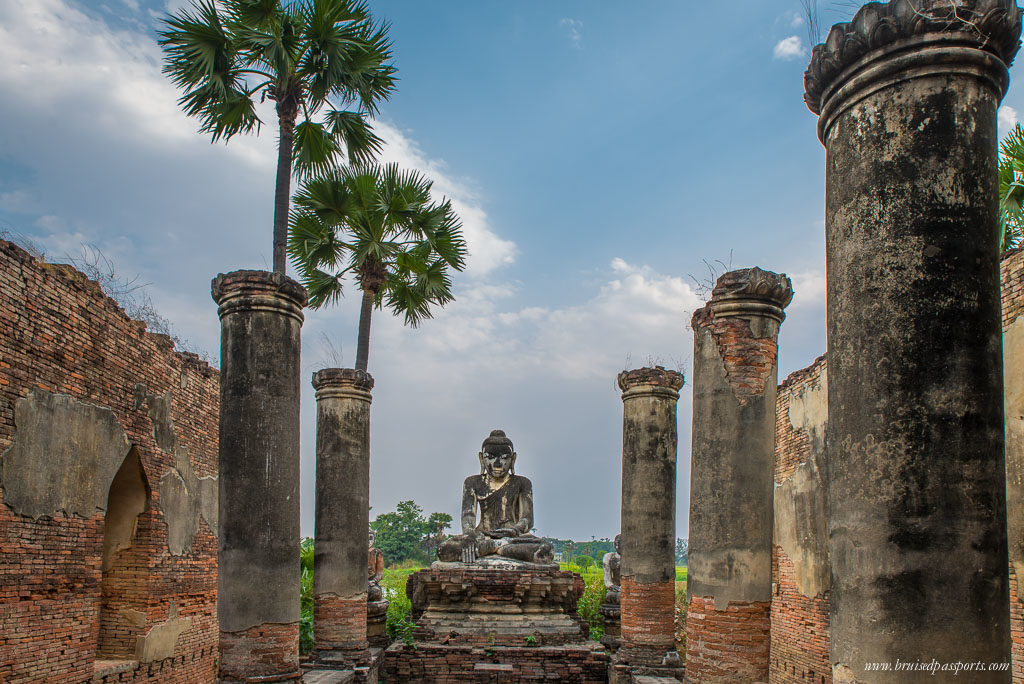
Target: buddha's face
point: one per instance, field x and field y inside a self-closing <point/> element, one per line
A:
<point x="497" y="461"/>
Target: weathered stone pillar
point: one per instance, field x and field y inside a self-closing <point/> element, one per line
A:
<point x="258" y="560"/>
<point x="907" y="95"/>
<point x="729" y="579"/>
<point x="342" y="515"/>
<point x="649" y="441"/>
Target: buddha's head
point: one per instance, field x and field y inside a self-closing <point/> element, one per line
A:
<point x="373" y="537"/>
<point x="497" y="458"/>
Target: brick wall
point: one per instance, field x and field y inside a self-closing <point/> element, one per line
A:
<point x="799" y="623"/>
<point x="59" y="335"/>
<point x="1012" y="279"/>
<point x="427" y="663"/>
<point x="729" y="645"/>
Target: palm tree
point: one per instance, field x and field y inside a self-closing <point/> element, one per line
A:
<point x="310" y="57"/>
<point x="378" y="224"/>
<point x="1011" y="189"/>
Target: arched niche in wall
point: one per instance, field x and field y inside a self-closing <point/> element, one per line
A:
<point x="123" y="604"/>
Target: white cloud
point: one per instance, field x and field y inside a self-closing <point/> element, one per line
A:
<point x="636" y="313"/>
<point x="575" y="28"/>
<point x="487" y="251"/>
<point x="808" y="289"/>
<point x="797" y="20"/>
<point x="19" y="201"/>
<point x="790" y="48"/>
<point x="1007" y="119"/>
<point x="106" y="76"/>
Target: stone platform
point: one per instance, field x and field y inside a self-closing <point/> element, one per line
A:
<point x="496" y="606"/>
<point x="496" y="622"/>
<point x="585" y="663"/>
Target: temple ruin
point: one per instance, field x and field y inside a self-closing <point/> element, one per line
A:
<point x="867" y="509"/>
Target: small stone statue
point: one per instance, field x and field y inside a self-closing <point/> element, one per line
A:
<point x="610" y="608"/>
<point x="612" y="573"/>
<point x="376" y="605"/>
<point x="374" y="569"/>
<point x="504" y="501"/>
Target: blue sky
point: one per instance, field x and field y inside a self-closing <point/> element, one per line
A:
<point x="597" y="157"/>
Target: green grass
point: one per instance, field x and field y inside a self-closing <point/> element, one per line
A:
<point x="399" y="624"/>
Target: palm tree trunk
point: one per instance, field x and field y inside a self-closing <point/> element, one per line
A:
<point x="363" y="347"/>
<point x="283" y="186"/>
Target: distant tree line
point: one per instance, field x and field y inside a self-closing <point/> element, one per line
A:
<point x="596" y="548"/>
<point x="405" y="535"/>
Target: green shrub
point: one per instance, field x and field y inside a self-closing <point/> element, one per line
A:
<point x="593" y="595"/>
<point x="306" y="596"/>
<point x="399" y="623"/>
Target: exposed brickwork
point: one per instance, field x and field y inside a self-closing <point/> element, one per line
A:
<point x="260" y="651"/>
<point x="1016" y="629"/>
<point x="340" y="625"/>
<point x="437" y="664"/>
<point x="749" y="360"/>
<point x="799" y="624"/>
<point x="738" y="635"/>
<point x="59" y="333"/>
<point x="799" y="630"/>
<point x="793" y="446"/>
<point x="1011" y="275"/>
<point x="648" y="614"/>
<point x="1012" y="284"/>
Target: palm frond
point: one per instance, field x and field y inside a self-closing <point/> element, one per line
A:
<point x="1011" y="189"/>
<point x="262" y="14"/>
<point x="328" y="196"/>
<point x="354" y="131"/>
<point x="315" y="150"/>
<point x="379" y="222"/>
<point x="408" y="299"/>
<point x="323" y="288"/>
<point x="312" y="243"/>
<point x="196" y="45"/>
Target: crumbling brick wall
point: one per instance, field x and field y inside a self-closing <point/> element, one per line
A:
<point x="799" y="612"/>
<point x="96" y="548"/>
<point x="1012" y="279"/>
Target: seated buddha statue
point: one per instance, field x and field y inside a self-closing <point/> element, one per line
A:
<point x="497" y="512"/>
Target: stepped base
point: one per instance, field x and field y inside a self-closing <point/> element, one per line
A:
<point x="496" y="606"/>
<point x="585" y="663"/>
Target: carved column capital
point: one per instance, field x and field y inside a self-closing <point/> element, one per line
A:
<point x="750" y="291"/>
<point x="886" y="43"/>
<point x="655" y="380"/>
<point x="256" y="291"/>
<point x="342" y="382"/>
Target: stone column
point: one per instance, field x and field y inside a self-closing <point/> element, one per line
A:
<point x="342" y="515"/>
<point x="729" y="579"/>
<point x="907" y="95"/>
<point x="258" y="560"/>
<point x="649" y="441"/>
